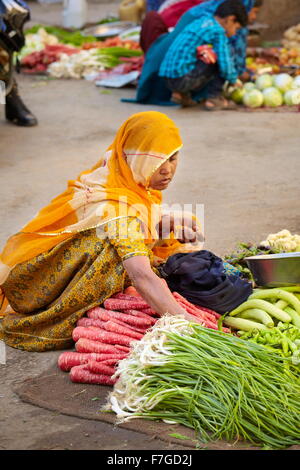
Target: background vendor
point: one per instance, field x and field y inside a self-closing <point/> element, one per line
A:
<point x="185" y="73"/>
<point x="152" y="89"/>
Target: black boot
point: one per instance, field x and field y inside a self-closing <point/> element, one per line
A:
<point x="16" y="111"/>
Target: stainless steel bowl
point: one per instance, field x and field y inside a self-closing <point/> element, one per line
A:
<point x="282" y="269"/>
<point x="108" y="30"/>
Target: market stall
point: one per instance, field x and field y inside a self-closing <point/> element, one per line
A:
<point x="109" y="55"/>
<point x="233" y="374"/>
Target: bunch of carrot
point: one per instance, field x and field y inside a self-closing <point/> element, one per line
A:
<point x="209" y="318"/>
<point x="104" y="336"/>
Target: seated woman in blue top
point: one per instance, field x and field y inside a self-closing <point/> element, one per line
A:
<point x="152" y="88"/>
<point x="186" y="73"/>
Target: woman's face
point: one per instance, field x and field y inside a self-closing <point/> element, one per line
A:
<point x="161" y="179"/>
<point x="252" y="15"/>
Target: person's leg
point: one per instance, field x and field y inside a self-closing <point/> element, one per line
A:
<point x="215" y="87"/>
<point x="214" y="95"/>
<point x="194" y="81"/>
<point x="6" y="68"/>
<point x="15" y="110"/>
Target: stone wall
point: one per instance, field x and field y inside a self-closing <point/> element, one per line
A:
<point x="279" y="15"/>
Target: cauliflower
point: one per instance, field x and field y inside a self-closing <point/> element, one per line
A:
<point x="75" y="65"/>
<point x="283" y="241"/>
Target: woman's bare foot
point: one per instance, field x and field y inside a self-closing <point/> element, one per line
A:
<point x="184" y="99"/>
<point x="219" y="103"/>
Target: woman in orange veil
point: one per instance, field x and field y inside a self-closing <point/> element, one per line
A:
<point x="93" y="240"/>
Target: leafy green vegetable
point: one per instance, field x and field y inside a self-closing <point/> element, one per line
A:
<point x="118" y="51"/>
<point x="244" y="250"/>
<point x="76" y="38"/>
<point x="112" y="56"/>
<point x="108" y="20"/>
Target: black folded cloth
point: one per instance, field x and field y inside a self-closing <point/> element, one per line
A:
<point x="200" y="277"/>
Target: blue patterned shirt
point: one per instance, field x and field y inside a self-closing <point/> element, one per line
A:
<point x="239" y="41"/>
<point x="181" y="57"/>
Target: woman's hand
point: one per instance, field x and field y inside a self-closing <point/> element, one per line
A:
<point x="153" y="289"/>
<point x="183" y="225"/>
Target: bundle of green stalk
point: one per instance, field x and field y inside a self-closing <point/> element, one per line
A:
<point x="112" y="56"/>
<point x="213" y="382"/>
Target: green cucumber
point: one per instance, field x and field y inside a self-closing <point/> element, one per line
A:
<point x="262" y="305"/>
<point x="243" y="324"/>
<point x="258" y="315"/>
<point x="280" y="295"/>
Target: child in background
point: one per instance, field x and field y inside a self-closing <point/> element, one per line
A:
<point x="184" y="70"/>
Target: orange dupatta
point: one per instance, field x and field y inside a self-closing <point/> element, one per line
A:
<point x="117" y="184"/>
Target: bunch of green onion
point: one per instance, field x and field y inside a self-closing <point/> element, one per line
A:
<point x="110" y="57"/>
<point x="216" y="383"/>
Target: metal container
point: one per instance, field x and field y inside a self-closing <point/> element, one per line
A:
<point x="108" y="30"/>
<point x="282" y="269"/>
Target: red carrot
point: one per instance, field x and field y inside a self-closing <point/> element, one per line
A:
<point x="138" y="313"/>
<point x="130" y="298"/>
<point x="208" y="310"/>
<point x="67" y="359"/>
<point x="226" y="330"/>
<point x="103" y="357"/>
<point x="132" y="327"/>
<point x="85" y="345"/>
<point x="198" y="313"/>
<point x="132" y="291"/>
<point x="110" y="362"/>
<point x="191" y="310"/>
<point x="181" y="299"/>
<point x="122" y="348"/>
<point x="106" y="315"/>
<point x="208" y="320"/>
<point x="99" y="368"/>
<point x="90" y="322"/>
<point x="81" y="374"/>
<point x="149" y="311"/>
<point x="116" y="328"/>
<point x="118" y="304"/>
<point x="197" y="307"/>
<point x="100" y="335"/>
<point x="208" y="315"/>
<point x="211" y="325"/>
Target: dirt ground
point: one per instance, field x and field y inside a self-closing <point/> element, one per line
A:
<point x="243" y="167"/>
